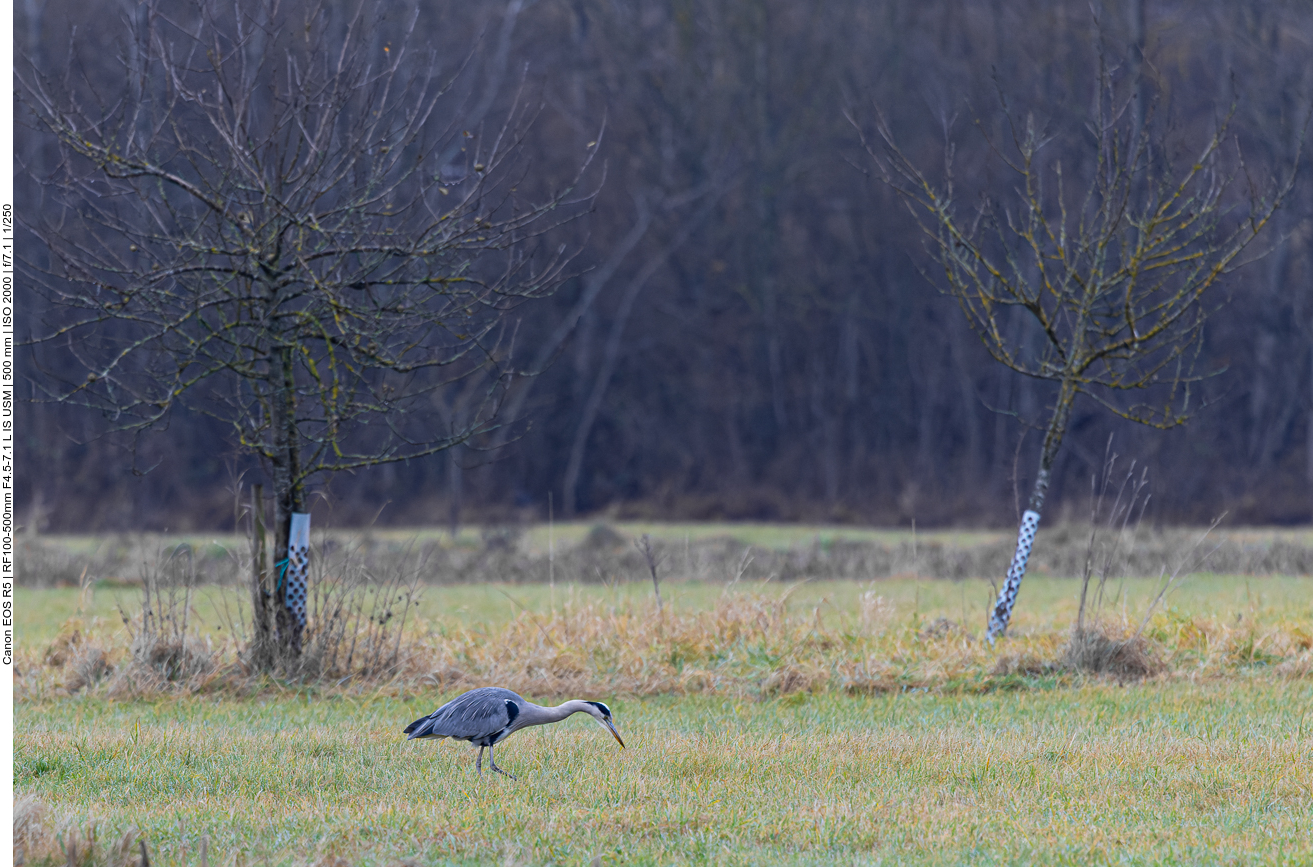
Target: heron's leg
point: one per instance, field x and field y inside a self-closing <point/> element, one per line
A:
<point x="478" y="763"/>
<point x="494" y="765"/>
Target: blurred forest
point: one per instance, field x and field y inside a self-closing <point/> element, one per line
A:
<point x="753" y="328"/>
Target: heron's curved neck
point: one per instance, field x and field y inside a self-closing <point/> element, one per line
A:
<point x="536" y="715"/>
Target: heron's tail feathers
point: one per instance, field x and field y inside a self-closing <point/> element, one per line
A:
<point x="420" y="728"/>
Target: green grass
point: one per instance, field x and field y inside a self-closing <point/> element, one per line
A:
<point x="1155" y="774"/>
<point x="1045" y="601"/>
<point x="537" y="538"/>
<point x="763" y="535"/>
<point x="963" y="761"/>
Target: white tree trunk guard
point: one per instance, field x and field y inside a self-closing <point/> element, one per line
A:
<point x="1007" y="597"/>
<point x="298" y="566"/>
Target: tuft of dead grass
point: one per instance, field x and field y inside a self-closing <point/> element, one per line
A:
<point x="1093" y="651"/>
<point x="79" y="845"/>
<point x="1027" y="664"/>
<point x="73" y="842"/>
<point x="872" y="678"/>
<point x="188" y="664"/>
<point x="31" y="836"/>
<point x="66" y="644"/>
<point x="91" y="666"/>
<point x="1298" y="667"/>
<point x="84" y="662"/>
<point x="789" y="679"/>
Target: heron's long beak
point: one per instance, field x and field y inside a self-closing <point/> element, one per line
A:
<point x="611" y="728"/>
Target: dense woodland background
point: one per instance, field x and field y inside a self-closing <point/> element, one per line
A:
<point x="754" y="329"/>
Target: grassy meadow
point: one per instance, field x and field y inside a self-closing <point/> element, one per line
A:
<point x="1179" y="773"/>
<point x="793" y="722"/>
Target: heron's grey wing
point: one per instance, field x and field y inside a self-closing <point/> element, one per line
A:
<point x="477" y="713"/>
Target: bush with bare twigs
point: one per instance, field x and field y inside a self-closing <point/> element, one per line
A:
<point x="357" y="617"/>
<point x="1097" y="645"/>
<point x="165" y="649"/>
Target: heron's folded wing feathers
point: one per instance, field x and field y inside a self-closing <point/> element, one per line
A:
<point x="477" y="713"/>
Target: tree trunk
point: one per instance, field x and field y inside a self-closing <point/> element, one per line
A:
<point x="1007" y="597"/>
<point x="262" y="648"/>
<point x="289" y="497"/>
<point x="1308" y="434"/>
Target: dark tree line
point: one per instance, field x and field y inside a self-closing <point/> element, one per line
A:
<point x="753" y="329"/>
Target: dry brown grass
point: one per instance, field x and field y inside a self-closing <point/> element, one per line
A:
<point x="32" y="838"/>
<point x="1128" y="657"/>
<point x="1296" y="667"/>
<point x="71" y="842"/>
<point x="750" y="642"/>
<point x="81" y="660"/>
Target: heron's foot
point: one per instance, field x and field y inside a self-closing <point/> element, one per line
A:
<point x="492" y="762"/>
<point x="500" y="771"/>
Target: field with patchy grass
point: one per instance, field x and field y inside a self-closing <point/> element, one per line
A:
<point x="593" y="553"/>
<point x="769" y="721"/>
<point x="1179" y="773"/>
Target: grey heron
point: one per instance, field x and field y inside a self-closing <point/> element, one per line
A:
<point x="487" y="716"/>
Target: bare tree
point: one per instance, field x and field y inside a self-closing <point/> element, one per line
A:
<point x="283" y="218"/>
<point x="1110" y="278"/>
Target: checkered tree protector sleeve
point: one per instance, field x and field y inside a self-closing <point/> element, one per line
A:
<point x="1007" y="597"/>
<point x="298" y="566"/>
